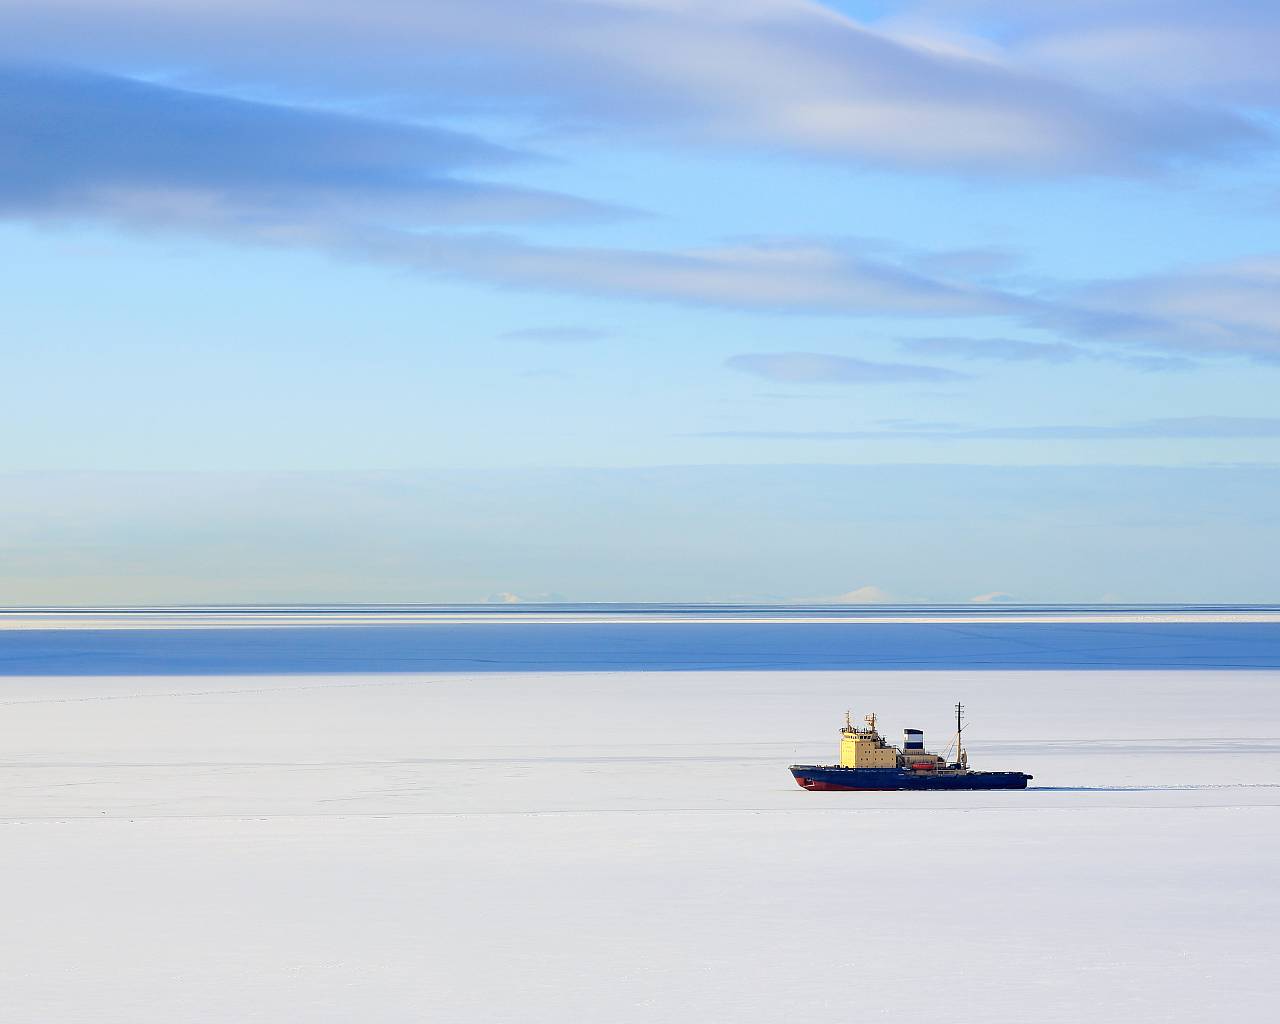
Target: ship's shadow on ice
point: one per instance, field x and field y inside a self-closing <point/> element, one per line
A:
<point x="1153" y="789"/>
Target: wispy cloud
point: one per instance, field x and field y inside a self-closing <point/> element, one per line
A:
<point x="1178" y="428"/>
<point x="1224" y="309"/>
<point x="79" y="145"/>
<point x="1224" y="52"/>
<point x="787" y="277"/>
<point x="106" y="148"/>
<point x="109" y="148"/>
<point x="88" y="145"/>
<point x="1002" y="349"/>
<point x="817" y="368"/>
<point x="773" y="73"/>
<point x="1014" y="350"/>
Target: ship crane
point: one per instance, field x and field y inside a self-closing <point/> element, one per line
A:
<point x="962" y="759"/>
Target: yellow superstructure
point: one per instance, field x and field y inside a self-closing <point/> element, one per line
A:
<point x="863" y="748"/>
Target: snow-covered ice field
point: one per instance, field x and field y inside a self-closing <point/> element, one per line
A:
<point x="619" y="846"/>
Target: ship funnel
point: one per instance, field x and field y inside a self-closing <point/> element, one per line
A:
<point x="912" y="739"/>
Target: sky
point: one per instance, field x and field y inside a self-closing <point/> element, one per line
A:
<point x="761" y="300"/>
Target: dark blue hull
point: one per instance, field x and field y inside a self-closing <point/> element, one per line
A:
<point x="832" y="777"/>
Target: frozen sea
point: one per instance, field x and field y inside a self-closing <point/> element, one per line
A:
<point x="555" y="814"/>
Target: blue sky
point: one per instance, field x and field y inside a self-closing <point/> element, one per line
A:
<point x="253" y="244"/>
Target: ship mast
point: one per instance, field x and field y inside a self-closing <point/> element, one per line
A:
<point x="960" y="758"/>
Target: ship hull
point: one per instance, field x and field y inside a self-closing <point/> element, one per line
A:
<point x="821" y="778"/>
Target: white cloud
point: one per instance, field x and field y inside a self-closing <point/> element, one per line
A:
<point x="864" y="595"/>
<point x="994" y="597"/>
<point x="820" y="368"/>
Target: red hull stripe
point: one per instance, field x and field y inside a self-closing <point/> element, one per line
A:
<point x="818" y="787"/>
